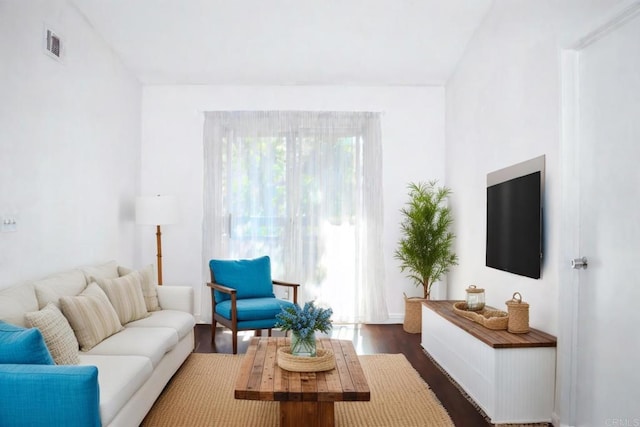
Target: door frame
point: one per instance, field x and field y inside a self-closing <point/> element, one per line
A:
<point x="569" y="280"/>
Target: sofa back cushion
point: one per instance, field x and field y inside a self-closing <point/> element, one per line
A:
<point x="19" y="345"/>
<point x="250" y="277"/>
<point x="106" y="270"/>
<point x="16" y="301"/>
<point x="51" y="288"/>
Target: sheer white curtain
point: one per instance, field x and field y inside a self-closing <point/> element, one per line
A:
<point x="305" y="189"/>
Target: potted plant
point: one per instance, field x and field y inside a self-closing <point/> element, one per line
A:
<point x="425" y="247"/>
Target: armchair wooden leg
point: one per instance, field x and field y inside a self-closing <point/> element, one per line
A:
<point x="258" y="333"/>
<point x="269" y="331"/>
<point x="213" y="330"/>
<point x="235" y="341"/>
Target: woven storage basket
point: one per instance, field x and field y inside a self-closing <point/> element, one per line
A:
<point x="490" y="319"/>
<point x="518" y="315"/>
<point x="412" y="315"/>
<point x="324" y="361"/>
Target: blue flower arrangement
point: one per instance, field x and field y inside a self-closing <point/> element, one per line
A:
<point x="304" y="321"/>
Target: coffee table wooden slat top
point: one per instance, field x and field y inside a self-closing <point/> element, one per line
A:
<point x="260" y="377"/>
<point x="331" y="378"/>
<point x="355" y="369"/>
<point x="280" y="379"/>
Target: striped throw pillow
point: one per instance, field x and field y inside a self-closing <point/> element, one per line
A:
<point x="125" y="294"/>
<point x="149" y="285"/>
<point x="91" y="316"/>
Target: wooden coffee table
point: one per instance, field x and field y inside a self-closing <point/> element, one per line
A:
<point x="306" y="398"/>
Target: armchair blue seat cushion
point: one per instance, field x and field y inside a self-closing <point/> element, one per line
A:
<point x="253" y="308"/>
<point x="23" y="346"/>
<point x="250" y="277"/>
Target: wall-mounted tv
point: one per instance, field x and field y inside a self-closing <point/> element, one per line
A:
<point x="514" y="218"/>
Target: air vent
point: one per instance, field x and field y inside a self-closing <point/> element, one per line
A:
<point x="53" y="44"/>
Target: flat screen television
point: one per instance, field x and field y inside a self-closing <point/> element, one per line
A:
<point x="514" y="218"/>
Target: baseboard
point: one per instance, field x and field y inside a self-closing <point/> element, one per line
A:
<point x="393" y="319"/>
<point x="555" y="420"/>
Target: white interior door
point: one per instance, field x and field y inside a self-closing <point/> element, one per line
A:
<point x="607" y="161"/>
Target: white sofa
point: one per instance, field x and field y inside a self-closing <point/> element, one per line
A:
<point x="134" y="364"/>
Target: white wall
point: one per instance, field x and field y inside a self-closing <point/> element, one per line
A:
<point x="172" y="161"/>
<point x="503" y="107"/>
<point x="69" y="144"/>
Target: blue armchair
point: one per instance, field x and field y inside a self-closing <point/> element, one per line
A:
<point x="49" y="395"/>
<point x="34" y="391"/>
<point x="242" y="296"/>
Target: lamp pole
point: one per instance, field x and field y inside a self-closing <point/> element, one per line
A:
<point x="157" y="210"/>
<point x="159" y="243"/>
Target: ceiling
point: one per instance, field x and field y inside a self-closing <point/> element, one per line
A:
<point x="287" y="42"/>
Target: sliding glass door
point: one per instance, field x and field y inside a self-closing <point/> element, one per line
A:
<point x="293" y="186"/>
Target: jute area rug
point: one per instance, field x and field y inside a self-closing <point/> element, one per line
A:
<point x="201" y="394"/>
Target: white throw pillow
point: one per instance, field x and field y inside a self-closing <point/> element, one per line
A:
<point x="91" y="316"/>
<point x="125" y="294"/>
<point x="57" y="333"/>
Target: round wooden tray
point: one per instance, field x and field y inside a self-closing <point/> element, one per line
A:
<point x="324" y="361"/>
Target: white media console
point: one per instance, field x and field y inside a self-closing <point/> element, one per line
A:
<point x="510" y="376"/>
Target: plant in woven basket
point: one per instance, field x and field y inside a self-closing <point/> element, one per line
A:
<point x="303" y="323"/>
<point x="425" y="247"/>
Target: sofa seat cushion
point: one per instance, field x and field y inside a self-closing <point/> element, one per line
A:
<point x="16" y="301"/>
<point x="182" y="322"/>
<point x="148" y="342"/>
<point x="253" y="308"/>
<point x="119" y="378"/>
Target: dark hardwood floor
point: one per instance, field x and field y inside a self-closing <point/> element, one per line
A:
<point x="371" y="339"/>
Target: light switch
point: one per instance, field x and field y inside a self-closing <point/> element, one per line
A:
<point x="9" y="225"/>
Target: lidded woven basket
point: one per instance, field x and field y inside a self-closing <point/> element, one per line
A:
<point x="518" y="315"/>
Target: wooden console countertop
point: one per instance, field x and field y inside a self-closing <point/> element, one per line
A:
<point x="493" y="338"/>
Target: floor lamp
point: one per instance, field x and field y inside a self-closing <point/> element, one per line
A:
<point x="157" y="210"/>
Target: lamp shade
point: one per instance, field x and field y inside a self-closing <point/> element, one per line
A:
<point x="156" y="210"/>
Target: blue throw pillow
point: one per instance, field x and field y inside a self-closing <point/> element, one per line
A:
<point x="23" y="346"/>
<point x="250" y="277"/>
